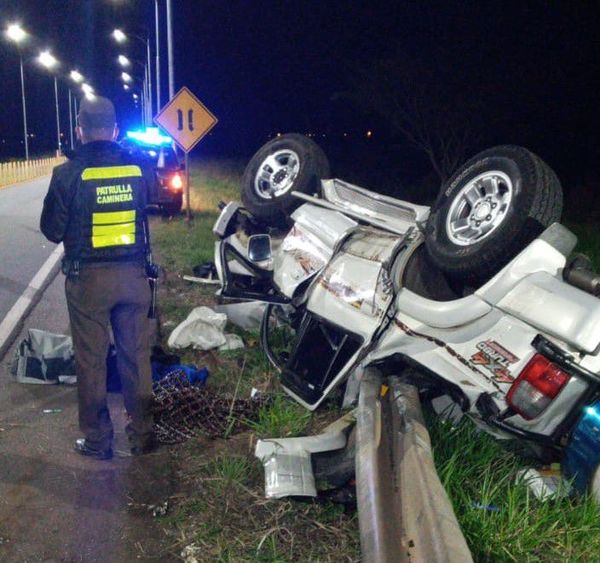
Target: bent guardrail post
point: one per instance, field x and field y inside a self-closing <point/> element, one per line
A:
<point x="404" y="512"/>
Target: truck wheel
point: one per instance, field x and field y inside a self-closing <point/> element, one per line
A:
<point x="490" y="209"/>
<point x="291" y="162"/>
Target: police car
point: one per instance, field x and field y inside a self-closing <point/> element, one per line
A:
<point x="158" y="148"/>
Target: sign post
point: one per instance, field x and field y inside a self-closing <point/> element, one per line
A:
<point x="187" y="120"/>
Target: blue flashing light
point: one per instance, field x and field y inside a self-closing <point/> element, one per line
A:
<point x="150" y="136"/>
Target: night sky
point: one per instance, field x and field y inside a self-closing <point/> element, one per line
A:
<point x="514" y="72"/>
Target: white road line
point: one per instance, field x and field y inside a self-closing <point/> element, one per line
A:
<point x="12" y="322"/>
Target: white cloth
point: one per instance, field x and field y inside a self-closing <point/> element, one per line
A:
<point x="203" y="330"/>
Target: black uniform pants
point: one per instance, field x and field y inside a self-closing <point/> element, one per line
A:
<point x="116" y="295"/>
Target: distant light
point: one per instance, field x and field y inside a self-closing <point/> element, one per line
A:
<point x="119" y="36"/>
<point x="87" y="89"/>
<point x="76" y="76"/>
<point x="135" y="96"/>
<point x="369" y="134"/>
<point x="123" y="60"/>
<point x="279" y="134"/>
<point x="150" y="136"/>
<point x="126" y="77"/>
<point x="46" y="59"/>
<point x="125" y="86"/>
<point x="15" y="33"/>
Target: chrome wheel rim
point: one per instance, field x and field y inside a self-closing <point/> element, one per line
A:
<point x="479" y="208"/>
<point x="276" y="174"/>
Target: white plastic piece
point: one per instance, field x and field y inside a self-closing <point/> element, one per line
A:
<point x="544" y="487"/>
<point x="232" y="342"/>
<point x="203" y="330"/>
<point x="288" y="469"/>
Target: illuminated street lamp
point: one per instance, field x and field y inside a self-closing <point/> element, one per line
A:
<point x="123" y="60"/>
<point x="88" y="91"/>
<point x="125" y="77"/>
<point x="16" y="34"/>
<point x="47" y="60"/>
<point x="125" y="86"/>
<point x="119" y="36"/>
<point x="76" y="76"/>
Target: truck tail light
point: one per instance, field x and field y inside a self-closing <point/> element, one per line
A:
<point x="535" y="388"/>
<point x="176" y="182"/>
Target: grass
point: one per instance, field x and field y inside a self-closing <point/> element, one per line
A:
<point x="281" y="418"/>
<point x="221" y="508"/>
<point x="500" y="518"/>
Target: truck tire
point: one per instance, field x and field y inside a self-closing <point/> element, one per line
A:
<point x="489" y="210"/>
<point x="288" y="163"/>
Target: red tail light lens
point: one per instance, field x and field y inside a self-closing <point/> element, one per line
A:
<point x="176" y="182"/>
<point x="535" y="388"/>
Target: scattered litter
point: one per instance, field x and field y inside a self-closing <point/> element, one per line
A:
<point x="67" y="379"/>
<point x="194" y="279"/>
<point x="233" y="342"/>
<point x="51" y="411"/>
<point x="247" y="315"/>
<point x="207" y="271"/>
<point x="203" y="330"/>
<point x="160" y="509"/>
<point x="194" y="375"/>
<point x="42" y="357"/>
<point x="545" y="483"/>
<point x="287" y="461"/>
<point x="190" y="553"/>
<point x="183" y="410"/>
<point x="488" y="507"/>
<point x="156" y="509"/>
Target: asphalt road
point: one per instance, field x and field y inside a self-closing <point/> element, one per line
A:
<point x="23" y="248"/>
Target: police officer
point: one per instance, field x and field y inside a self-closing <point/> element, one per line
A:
<point x="96" y="206"/>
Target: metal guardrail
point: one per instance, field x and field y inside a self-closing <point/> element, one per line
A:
<point x="404" y="512"/>
<point x="19" y="171"/>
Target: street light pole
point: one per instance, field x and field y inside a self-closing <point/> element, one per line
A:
<point x="15" y="33"/>
<point x="71" y="118"/>
<point x="149" y="66"/>
<point x="170" y="51"/>
<point x="25" y="134"/>
<point x="57" y="115"/>
<point x="157" y="33"/>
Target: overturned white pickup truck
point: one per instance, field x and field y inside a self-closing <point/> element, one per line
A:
<point x="477" y="298"/>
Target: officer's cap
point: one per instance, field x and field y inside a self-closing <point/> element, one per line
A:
<point x="97" y="113"/>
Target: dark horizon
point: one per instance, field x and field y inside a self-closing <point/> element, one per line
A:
<point x="520" y="73"/>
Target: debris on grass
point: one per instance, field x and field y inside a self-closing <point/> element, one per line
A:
<point x="544" y="484"/>
<point x="183" y="410"/>
<point x="190" y="553"/>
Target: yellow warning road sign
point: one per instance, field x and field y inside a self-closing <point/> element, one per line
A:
<point x="186" y="119"/>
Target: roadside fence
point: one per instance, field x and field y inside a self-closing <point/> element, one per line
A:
<point x="19" y="171"/>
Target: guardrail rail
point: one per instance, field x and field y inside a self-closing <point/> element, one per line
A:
<point x="22" y="170"/>
<point x="404" y="512"/>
